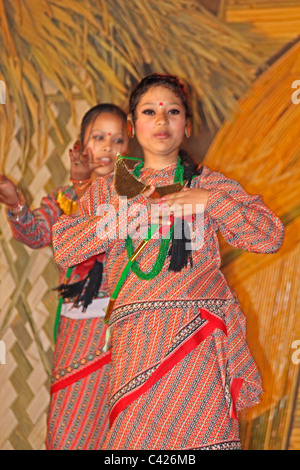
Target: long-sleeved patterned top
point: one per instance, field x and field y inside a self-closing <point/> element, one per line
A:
<point x="78" y="361"/>
<point x="34" y="227"/>
<point x="243" y="219"/>
<point x="181" y="369"/>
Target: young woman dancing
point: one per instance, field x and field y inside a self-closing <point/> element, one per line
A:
<point x="181" y="370"/>
<point x="78" y="417"/>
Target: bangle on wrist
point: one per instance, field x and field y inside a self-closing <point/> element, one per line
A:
<point x="80" y="187"/>
<point x="13" y="206"/>
<point x="17" y="208"/>
<point x="80" y="181"/>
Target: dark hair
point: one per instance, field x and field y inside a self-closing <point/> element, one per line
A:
<point x="157" y="79"/>
<point x="94" y="112"/>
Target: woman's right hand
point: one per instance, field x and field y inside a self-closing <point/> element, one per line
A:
<point x="8" y="192"/>
<point x="80" y="163"/>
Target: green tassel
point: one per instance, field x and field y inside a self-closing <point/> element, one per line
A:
<point x="60" y="302"/>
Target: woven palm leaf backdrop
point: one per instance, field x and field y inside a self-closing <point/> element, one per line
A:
<point x="259" y="147"/>
<point x="59" y="58"/>
<point x="100" y="48"/>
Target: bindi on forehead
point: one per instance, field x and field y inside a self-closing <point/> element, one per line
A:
<point x="160" y="104"/>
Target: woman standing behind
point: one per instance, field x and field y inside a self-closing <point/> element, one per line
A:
<point x="181" y="369"/>
<point x="78" y="415"/>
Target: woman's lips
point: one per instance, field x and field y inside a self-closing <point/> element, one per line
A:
<point x="102" y="161"/>
<point x="162" y="135"/>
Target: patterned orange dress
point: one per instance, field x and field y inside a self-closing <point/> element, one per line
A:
<point x="78" y="413"/>
<point x="181" y="369"/>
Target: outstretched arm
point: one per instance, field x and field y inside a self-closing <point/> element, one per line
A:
<point x="243" y="219"/>
<point x="99" y="221"/>
<point x="33" y="228"/>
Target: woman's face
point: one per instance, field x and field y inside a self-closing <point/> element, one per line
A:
<point x="160" y="124"/>
<point x="104" y="139"/>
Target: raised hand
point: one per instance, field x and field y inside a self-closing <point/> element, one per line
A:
<point x="8" y="192"/>
<point x="80" y="163"/>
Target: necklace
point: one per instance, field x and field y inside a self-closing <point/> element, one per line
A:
<point x="132" y="255"/>
<point x="127" y="183"/>
<point x="165" y="242"/>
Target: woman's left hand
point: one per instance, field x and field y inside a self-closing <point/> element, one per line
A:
<point x="185" y="202"/>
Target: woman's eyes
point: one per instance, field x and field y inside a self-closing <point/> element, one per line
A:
<point x="152" y="112"/>
<point x="99" y="137"/>
<point x="148" y="112"/>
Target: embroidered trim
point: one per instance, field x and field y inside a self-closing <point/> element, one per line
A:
<point x="187" y="340"/>
<point x="57" y="386"/>
<point x="133" y="384"/>
<point x="212" y="305"/>
<point x="185" y="332"/>
<point x="233" y="445"/>
<point x="62" y="373"/>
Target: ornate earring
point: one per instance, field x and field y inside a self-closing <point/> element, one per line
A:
<point x="187" y="132"/>
<point x="130" y="128"/>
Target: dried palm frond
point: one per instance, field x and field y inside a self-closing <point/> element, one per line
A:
<point x="98" y="49"/>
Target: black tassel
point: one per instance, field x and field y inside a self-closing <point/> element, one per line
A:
<point x="83" y="292"/>
<point x="92" y="286"/>
<point x="180" y="251"/>
<point x="71" y="291"/>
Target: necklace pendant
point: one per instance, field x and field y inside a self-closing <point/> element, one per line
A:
<point x="126" y="184"/>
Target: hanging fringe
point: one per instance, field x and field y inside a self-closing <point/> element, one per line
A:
<point x="83" y="292"/>
<point x="180" y="254"/>
<point x="180" y="249"/>
<point x="92" y="286"/>
<point x="71" y="291"/>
